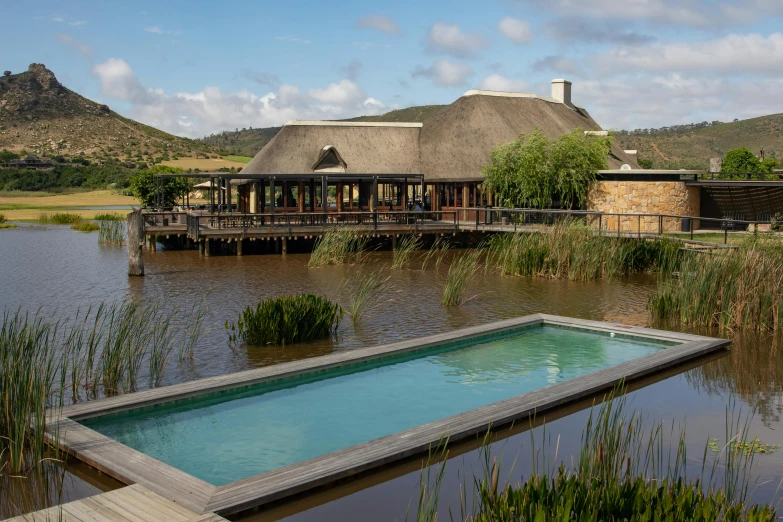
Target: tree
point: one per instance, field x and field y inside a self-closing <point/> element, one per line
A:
<point x="741" y="160"/>
<point x="645" y="163"/>
<point x="532" y="170"/>
<point x="144" y="186"/>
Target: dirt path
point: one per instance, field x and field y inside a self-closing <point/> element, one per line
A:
<point x="658" y="151"/>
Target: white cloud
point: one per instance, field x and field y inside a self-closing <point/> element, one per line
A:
<point x="518" y="31"/>
<point x="559" y="64"/>
<point x="734" y="53"/>
<point x="154" y="29"/>
<point x="380" y="23"/>
<point x="70" y="21"/>
<point x="498" y="82"/>
<point x="694" y="13"/>
<point x="83" y="48"/>
<point x="293" y="39"/>
<point x="444" y="73"/>
<point x="671" y="99"/>
<point x="450" y="39"/>
<point x="345" y="92"/>
<point x="118" y="80"/>
<point x="213" y="109"/>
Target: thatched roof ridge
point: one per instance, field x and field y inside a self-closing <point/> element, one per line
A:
<point x="365" y="147"/>
<point x="456" y="142"/>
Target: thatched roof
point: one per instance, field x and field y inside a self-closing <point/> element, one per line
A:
<point x="456" y="142"/>
<point x="363" y="148"/>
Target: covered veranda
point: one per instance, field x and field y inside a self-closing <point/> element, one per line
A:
<point x="317" y="192"/>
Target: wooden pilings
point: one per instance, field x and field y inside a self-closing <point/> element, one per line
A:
<point x="135" y="242"/>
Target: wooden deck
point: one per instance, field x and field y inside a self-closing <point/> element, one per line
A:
<point x="130" y="466"/>
<point x="132" y="504"/>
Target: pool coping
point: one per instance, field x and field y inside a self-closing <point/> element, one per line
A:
<point x="133" y="467"/>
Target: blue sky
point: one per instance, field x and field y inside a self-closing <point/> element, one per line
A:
<point x="195" y="67"/>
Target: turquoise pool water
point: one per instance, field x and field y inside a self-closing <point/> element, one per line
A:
<point x="223" y="437"/>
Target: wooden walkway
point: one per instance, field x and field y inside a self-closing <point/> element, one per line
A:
<point x="132" y="504"/>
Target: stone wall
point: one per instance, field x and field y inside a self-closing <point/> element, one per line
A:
<point x="644" y="197"/>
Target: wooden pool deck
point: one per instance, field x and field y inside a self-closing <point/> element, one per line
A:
<point x="129" y="504"/>
<point x="130" y="466"/>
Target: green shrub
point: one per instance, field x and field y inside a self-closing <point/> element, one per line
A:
<point x="3" y="219"/>
<point x="106" y="216"/>
<point x="286" y="320"/>
<point x="85" y="226"/>
<point x="58" y="218"/>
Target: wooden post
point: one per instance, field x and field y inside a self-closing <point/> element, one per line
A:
<point x="154" y="242"/>
<point x="301" y="196"/>
<point x="339" y="195"/>
<point x="135" y="241"/>
<point x="201" y="247"/>
<point x="285" y="245"/>
<point x="239" y="246"/>
<point x="206" y="247"/>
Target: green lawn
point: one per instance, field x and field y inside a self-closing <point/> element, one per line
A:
<point x="241" y="159"/>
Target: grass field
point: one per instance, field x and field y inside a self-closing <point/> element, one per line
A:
<point x="27" y="207"/>
<point x="206" y="164"/>
<point x="240" y="159"/>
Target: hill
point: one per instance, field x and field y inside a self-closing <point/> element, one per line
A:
<point x="249" y="141"/>
<point x="692" y="146"/>
<point x="41" y="116"/>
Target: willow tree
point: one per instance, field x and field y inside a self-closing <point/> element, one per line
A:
<point x="531" y="170"/>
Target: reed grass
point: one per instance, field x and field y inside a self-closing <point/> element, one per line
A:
<point x="436" y="251"/>
<point x="739" y="289"/>
<point x="108" y="216"/>
<point x="112" y="232"/>
<point x="286" y="320"/>
<point x="97" y="352"/>
<point x="406" y="246"/>
<point x="461" y="272"/>
<point x="3" y="219"/>
<point x="338" y="246"/>
<point x="366" y="292"/>
<point x="85" y="226"/>
<point x="624" y="471"/>
<point x="570" y="250"/>
<point x="58" y="218"/>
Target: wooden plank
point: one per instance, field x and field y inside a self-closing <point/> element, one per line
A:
<point x="134" y="467"/>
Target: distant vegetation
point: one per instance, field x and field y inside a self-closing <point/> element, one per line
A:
<point x="691" y="146"/>
<point x="143" y="186"/>
<point x="58" y="218"/>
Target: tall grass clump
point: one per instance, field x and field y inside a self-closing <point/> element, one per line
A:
<point x="29" y="368"/>
<point x="437" y="251"/>
<point x="112" y="232"/>
<point x="58" y="218"/>
<point x="286" y="320"/>
<point x="107" y="216"/>
<point x="738" y="289"/>
<point x="624" y="471"/>
<point x="104" y="350"/>
<point x="406" y="246"/>
<point x="569" y="250"/>
<point x="3" y="219"/>
<point x="366" y="291"/>
<point x="85" y="226"/>
<point x="338" y="246"/>
<point x="3" y="223"/>
<point x="461" y="272"/>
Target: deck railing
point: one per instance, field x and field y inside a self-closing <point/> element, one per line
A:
<point x="285" y="222"/>
<point x="487" y="219"/>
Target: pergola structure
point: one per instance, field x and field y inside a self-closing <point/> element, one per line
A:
<point x="257" y="192"/>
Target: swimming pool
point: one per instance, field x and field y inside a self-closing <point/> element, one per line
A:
<point x="232" y="442"/>
<point x="221" y="438"/>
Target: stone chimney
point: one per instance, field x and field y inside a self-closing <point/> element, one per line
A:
<point x="561" y="91"/>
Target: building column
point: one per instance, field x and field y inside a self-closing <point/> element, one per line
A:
<point x="301" y="196"/>
<point x="339" y="194"/>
